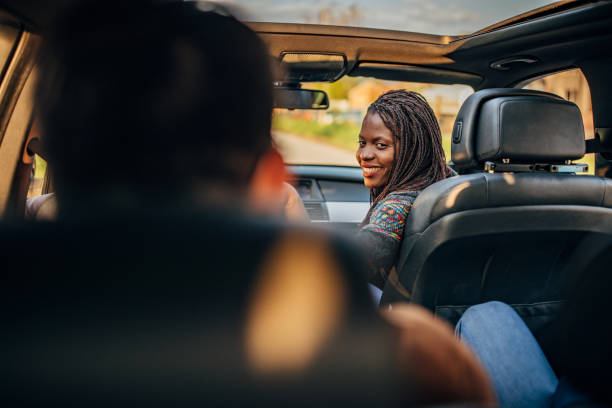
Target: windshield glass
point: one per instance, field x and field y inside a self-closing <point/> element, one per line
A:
<point x="442" y="17"/>
<point x="331" y="136"/>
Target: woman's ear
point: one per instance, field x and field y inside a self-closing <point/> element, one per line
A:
<point x="266" y="191"/>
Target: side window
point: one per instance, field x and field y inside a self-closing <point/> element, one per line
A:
<point x="37" y="178"/>
<point x="573" y="86"/>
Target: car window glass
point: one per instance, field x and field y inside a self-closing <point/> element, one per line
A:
<point x="330" y="136"/>
<point x="571" y="85"/>
<point x="37" y="179"/>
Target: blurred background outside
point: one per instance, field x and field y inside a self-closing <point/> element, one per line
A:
<point x="330" y="136"/>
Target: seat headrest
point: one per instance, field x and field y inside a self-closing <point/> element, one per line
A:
<point x="522" y="126"/>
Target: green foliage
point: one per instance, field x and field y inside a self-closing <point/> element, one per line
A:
<point x="41" y="167"/>
<point x="446" y="145"/>
<point x="590" y="160"/>
<point x="340" y="134"/>
<point x="336" y="90"/>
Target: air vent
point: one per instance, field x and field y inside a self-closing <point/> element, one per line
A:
<point x="317" y="211"/>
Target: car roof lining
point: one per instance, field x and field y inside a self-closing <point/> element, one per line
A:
<point x="38" y="14"/>
<point x="559" y="35"/>
<point x="557" y="40"/>
<point x="548" y="26"/>
<point x="413" y="73"/>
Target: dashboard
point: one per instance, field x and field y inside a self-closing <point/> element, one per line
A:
<point x="332" y="195"/>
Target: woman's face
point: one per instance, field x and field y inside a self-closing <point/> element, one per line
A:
<point x="376" y="151"/>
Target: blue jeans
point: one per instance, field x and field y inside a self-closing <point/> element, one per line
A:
<point x="519" y="370"/>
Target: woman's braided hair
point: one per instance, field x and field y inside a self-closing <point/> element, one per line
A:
<point x="419" y="158"/>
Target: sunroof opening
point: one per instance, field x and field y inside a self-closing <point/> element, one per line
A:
<point x="441" y="17"/>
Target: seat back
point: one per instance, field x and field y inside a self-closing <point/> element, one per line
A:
<point x="520" y="232"/>
<point x="132" y="311"/>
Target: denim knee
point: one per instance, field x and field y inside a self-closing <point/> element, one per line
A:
<point x="485" y="314"/>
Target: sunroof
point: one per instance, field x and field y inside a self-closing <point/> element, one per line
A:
<point x="442" y="17"/>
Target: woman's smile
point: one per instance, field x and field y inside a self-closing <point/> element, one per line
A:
<point x="375" y="154"/>
<point x="370" y="171"/>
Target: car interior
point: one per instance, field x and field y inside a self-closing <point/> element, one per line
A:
<point x="515" y="233"/>
<point x="521" y="223"/>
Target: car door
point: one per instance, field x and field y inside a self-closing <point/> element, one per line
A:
<point x="18" y="48"/>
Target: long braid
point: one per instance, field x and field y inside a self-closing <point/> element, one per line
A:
<point x="418" y="155"/>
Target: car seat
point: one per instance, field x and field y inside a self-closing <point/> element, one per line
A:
<point x="521" y="226"/>
<point x="132" y="309"/>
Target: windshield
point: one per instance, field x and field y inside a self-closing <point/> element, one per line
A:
<point x="441" y="17"/>
<point x="330" y="136"/>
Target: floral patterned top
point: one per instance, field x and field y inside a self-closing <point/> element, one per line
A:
<point x="381" y="236"/>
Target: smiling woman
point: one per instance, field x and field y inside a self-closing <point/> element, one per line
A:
<point x="376" y="151"/>
<point x="400" y="152"/>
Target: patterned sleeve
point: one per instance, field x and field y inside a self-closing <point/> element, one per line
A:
<point x="380" y="238"/>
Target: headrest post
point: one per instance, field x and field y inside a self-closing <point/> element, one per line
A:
<point x="507" y="167"/>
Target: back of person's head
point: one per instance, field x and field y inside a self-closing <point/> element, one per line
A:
<point x="148" y="98"/>
<point x="419" y="157"/>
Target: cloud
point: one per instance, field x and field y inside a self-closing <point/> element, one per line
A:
<point x="446" y="17"/>
<point x="289" y="12"/>
<point x="427" y="17"/>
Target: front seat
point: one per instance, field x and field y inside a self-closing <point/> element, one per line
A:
<point x="519" y="232"/>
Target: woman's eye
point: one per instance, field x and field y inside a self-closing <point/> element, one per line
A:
<point x="361" y="143"/>
<point x="381" y="145"/>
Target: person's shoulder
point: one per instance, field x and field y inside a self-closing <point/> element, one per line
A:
<point x="401" y="195"/>
<point x="400" y="200"/>
<point x="389" y="215"/>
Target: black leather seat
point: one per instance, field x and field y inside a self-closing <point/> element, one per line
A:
<point x="137" y="310"/>
<point x="520" y="232"/>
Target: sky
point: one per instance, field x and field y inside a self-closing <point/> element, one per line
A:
<point x="444" y="17"/>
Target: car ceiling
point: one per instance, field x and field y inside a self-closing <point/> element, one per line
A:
<point x="35" y="14"/>
<point x="559" y="40"/>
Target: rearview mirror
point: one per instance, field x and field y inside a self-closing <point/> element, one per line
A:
<point x="297" y="98"/>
